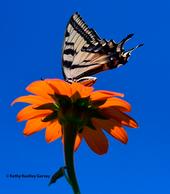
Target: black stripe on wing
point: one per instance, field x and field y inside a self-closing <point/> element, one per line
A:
<point x="67" y="64"/>
<point x="90" y="71"/>
<point x="77" y="36"/>
<point x="82" y="28"/>
<point x="69" y="51"/>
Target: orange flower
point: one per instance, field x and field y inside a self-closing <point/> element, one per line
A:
<point x="73" y="112"/>
<point x="55" y="102"/>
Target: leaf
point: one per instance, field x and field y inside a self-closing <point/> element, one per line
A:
<point x="47" y="106"/>
<point x="50" y="117"/>
<point x="98" y="103"/>
<point x="60" y="173"/>
<point x="96" y="113"/>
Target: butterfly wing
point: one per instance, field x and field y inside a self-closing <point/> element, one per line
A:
<point x="85" y="53"/>
<point x="80" y="50"/>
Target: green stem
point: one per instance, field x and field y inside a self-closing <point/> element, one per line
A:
<point x="69" y="141"/>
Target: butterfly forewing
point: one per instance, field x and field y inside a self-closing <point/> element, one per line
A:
<point x="76" y="60"/>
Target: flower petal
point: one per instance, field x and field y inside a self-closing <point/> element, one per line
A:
<point x="34" y="125"/>
<point x="59" y="86"/>
<point x="113" y="128"/>
<point x="78" y="141"/>
<point x="119" y="133"/>
<point x="84" y="91"/>
<point x="96" y="140"/>
<point x="105" y="124"/>
<point x="120" y="117"/>
<point x="53" y="131"/>
<point x="89" y="82"/>
<point x="31" y="99"/>
<point x="111" y="93"/>
<point x="29" y="112"/>
<point x="118" y="103"/>
<point x="103" y="95"/>
<point x="40" y="88"/>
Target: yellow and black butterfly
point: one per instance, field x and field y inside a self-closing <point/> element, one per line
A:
<point x="85" y="53"/>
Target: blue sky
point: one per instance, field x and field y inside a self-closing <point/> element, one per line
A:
<point x="31" y="39"/>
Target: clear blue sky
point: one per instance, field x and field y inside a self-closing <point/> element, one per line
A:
<point x="31" y="39"/>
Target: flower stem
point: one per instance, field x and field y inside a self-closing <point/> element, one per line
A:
<point x="69" y="141"/>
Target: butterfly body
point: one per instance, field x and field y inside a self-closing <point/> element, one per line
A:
<point x="85" y="53"/>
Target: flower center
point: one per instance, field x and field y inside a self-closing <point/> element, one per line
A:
<point x="78" y="111"/>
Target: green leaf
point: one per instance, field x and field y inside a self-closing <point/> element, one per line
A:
<point x="48" y="106"/>
<point x="50" y="117"/>
<point x="97" y="114"/>
<point x="60" y="173"/>
<point x="98" y="103"/>
<point x="59" y="97"/>
<point x="63" y="100"/>
<point x="83" y="102"/>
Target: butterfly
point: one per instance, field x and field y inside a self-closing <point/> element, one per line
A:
<point x="84" y="53"/>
